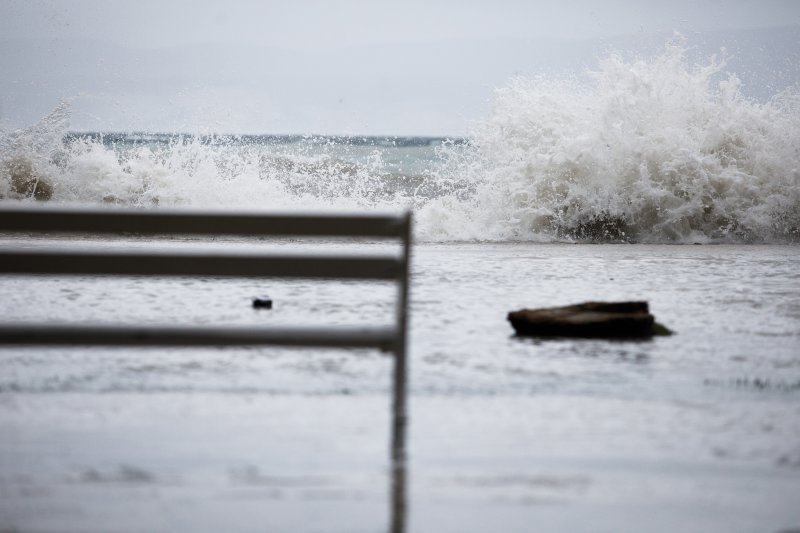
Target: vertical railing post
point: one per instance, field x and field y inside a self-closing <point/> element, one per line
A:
<point x="399" y="397"/>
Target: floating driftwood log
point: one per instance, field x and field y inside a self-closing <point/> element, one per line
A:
<point x="590" y="319"/>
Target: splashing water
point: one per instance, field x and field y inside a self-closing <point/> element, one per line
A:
<point x="159" y="169"/>
<point x="649" y="150"/>
<point x="646" y="150"/>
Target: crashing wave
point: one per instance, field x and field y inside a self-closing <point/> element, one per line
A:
<point x="647" y="150"/>
<point x="653" y="150"/>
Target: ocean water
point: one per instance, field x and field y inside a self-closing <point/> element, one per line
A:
<point x="656" y="150"/>
<point x="565" y="192"/>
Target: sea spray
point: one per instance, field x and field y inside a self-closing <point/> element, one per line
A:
<point x="29" y="157"/>
<point x="205" y="171"/>
<point x="643" y="150"/>
<point x="653" y="150"/>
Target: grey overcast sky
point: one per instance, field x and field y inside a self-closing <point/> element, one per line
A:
<point x="351" y="67"/>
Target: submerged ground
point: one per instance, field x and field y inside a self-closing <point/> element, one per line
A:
<point x="695" y="432"/>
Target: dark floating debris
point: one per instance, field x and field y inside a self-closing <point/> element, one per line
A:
<point x="262" y="302"/>
<point x="589" y="319"/>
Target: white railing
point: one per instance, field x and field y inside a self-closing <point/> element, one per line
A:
<point x="60" y="260"/>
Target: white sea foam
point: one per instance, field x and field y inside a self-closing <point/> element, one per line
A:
<point x="648" y="149"/>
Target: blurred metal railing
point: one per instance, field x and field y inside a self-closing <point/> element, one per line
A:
<point x="60" y="260"/>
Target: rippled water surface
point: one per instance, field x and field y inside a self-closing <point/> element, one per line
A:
<point x="695" y="432"/>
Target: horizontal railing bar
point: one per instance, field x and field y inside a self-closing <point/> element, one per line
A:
<point x="110" y="335"/>
<point x="211" y="264"/>
<point x="192" y="222"/>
